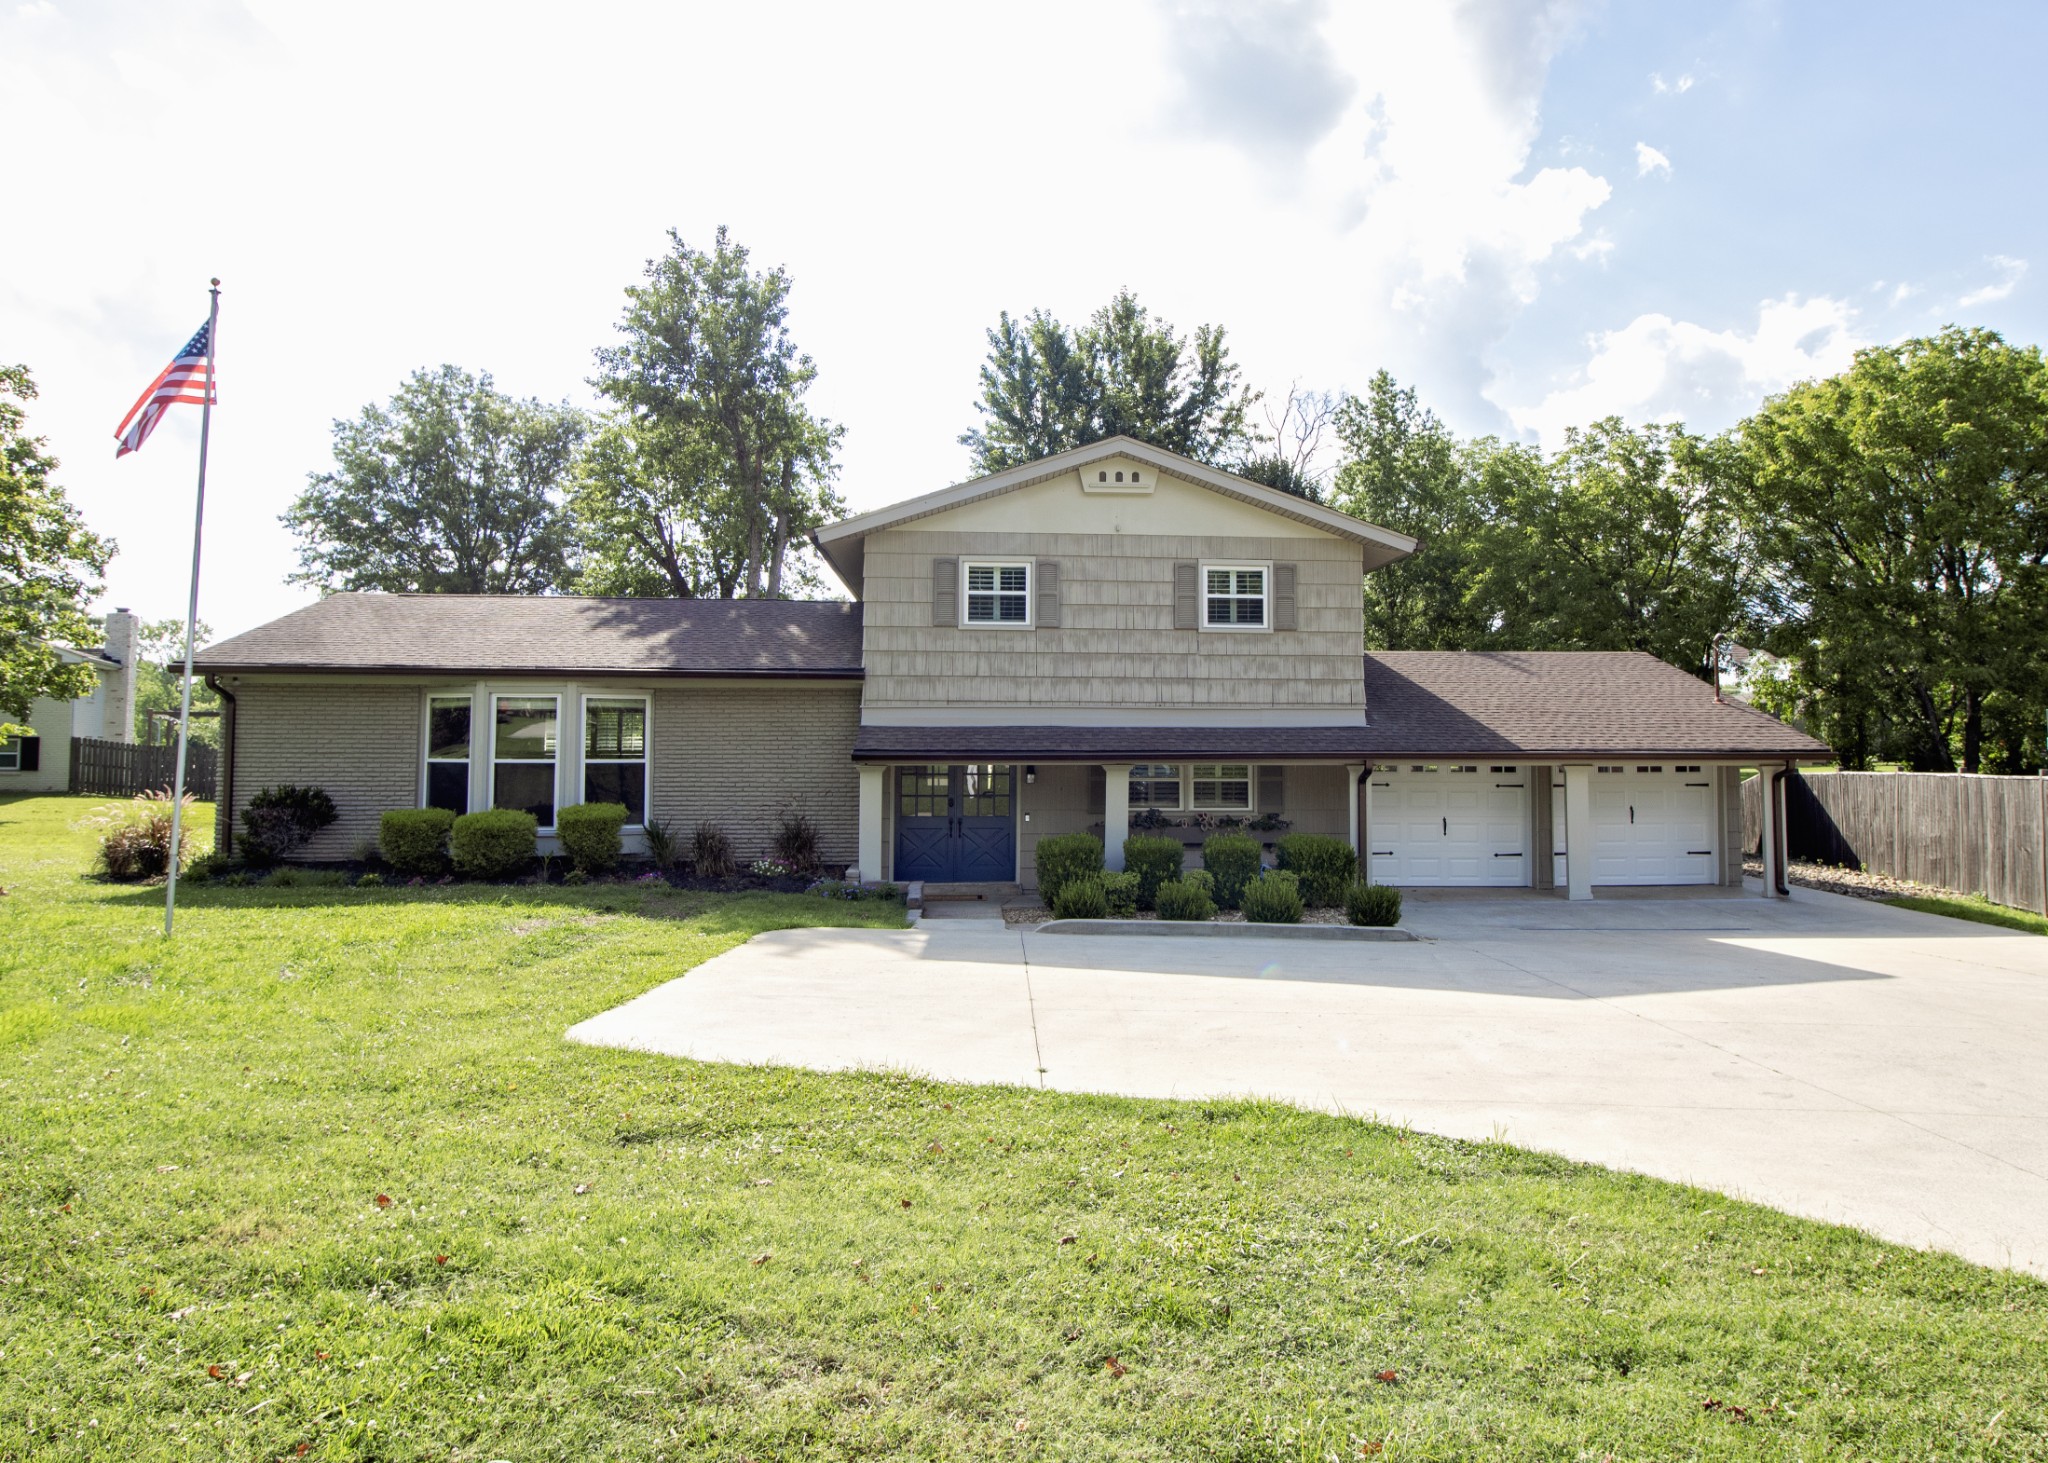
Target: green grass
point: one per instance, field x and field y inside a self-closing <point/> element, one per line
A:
<point x="1972" y="907"/>
<point x="594" y="1254"/>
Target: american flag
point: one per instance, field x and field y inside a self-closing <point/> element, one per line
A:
<point x="189" y="377"/>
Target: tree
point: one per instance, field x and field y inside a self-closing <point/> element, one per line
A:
<point x="160" y="681"/>
<point x="1293" y="445"/>
<point x="453" y="488"/>
<point x="1045" y="388"/>
<point x="1901" y="509"/>
<point x="50" y="567"/>
<point x="711" y="471"/>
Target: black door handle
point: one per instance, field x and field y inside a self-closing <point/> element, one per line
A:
<point x="1447" y="827"/>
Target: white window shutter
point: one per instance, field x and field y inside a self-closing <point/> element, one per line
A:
<point x="1187" y="596"/>
<point x="1048" y="593"/>
<point x="945" y="591"/>
<point x="1283" y="597"/>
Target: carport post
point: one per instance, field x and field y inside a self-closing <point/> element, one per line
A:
<point x="870" y="822"/>
<point x="1116" y="813"/>
<point x="1578" y="832"/>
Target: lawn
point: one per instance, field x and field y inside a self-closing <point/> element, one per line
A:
<point x="1975" y="908"/>
<point x="322" y="1179"/>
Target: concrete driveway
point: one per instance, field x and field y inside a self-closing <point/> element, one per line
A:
<point x="1834" y="1058"/>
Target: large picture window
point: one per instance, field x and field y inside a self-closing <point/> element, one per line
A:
<point x="1155" y="785"/>
<point x="615" y="754"/>
<point x="998" y="594"/>
<point x="1234" y="597"/>
<point x="1222" y="787"/>
<point x="448" y="753"/>
<point x="525" y="740"/>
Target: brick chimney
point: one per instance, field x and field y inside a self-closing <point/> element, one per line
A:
<point x="117" y="686"/>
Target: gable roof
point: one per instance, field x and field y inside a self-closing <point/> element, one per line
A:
<point x="490" y="634"/>
<point x="843" y="543"/>
<point x="1564" y="703"/>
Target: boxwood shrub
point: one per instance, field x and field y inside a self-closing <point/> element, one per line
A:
<point x="494" y="845"/>
<point x="1372" y="904"/>
<point x="1066" y="856"/>
<point x="590" y="835"/>
<point x="415" y="840"/>
<point x="1325" y="864"/>
<point x="1274" y="898"/>
<point x="1081" y="898"/>
<point x="1233" y="860"/>
<point x="1121" y="890"/>
<point x="1154" y="860"/>
<point x="1185" y="899"/>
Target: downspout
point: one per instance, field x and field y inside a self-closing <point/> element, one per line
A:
<point x="224" y="813"/>
<point x="1779" y="835"/>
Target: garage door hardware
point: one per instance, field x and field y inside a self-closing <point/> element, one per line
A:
<point x="1507" y="855"/>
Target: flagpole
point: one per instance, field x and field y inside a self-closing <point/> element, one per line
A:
<point x="191" y="621"/>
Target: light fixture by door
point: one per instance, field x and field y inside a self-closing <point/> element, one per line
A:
<point x="1030" y="774"/>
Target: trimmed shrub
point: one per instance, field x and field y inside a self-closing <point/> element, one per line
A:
<point x="493" y="845"/>
<point x="209" y="865"/>
<point x="1066" y="856"/>
<point x="711" y="852"/>
<point x="589" y="833"/>
<point x="1233" y="859"/>
<point x="796" y="842"/>
<point x="280" y="821"/>
<point x="415" y="840"/>
<point x="1372" y="904"/>
<point x="1325" y="864"/>
<point x="1202" y="879"/>
<point x="663" y="846"/>
<point x="1182" y="899"/>
<point x="1081" y="898"/>
<point x="1274" y="898"/>
<point x="1154" y="860"/>
<point x="1121" y="890"/>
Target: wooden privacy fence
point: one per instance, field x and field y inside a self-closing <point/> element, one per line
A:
<point x="123" y="769"/>
<point x="1975" y="835"/>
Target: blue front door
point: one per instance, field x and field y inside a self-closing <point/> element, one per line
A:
<point x="956" y="824"/>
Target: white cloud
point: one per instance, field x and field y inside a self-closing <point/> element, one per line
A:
<point x="2010" y="272"/>
<point x="1659" y="369"/>
<point x="36" y="10"/>
<point x="1649" y="160"/>
<point x="1681" y="85"/>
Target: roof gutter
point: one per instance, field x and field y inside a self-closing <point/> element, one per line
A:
<point x="559" y="672"/>
<point x="224" y="805"/>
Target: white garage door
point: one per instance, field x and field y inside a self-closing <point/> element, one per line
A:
<point x="1465" y="823"/>
<point x="1653" y="823"/>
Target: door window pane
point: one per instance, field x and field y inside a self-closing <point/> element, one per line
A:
<point x="615" y="754"/>
<point x="924" y="792"/>
<point x="985" y="791"/>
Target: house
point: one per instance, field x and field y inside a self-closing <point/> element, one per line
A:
<point x="1109" y="636"/>
<point x="42" y="762"/>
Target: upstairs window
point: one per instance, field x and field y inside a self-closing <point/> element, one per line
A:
<point x="998" y="594"/>
<point x="1234" y="597"/>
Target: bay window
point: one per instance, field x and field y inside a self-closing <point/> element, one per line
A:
<point x="615" y="754"/>
<point x="525" y="741"/>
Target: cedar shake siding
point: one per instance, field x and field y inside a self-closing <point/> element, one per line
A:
<point x="740" y="755"/>
<point x="360" y="742"/>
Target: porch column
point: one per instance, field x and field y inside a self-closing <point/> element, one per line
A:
<point x="870" y="822"/>
<point x="1542" y="837"/>
<point x="1578" y="832"/>
<point x="1773" y="828"/>
<point x="1357" y="788"/>
<point x="1116" y="813"/>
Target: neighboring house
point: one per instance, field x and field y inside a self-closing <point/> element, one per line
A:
<point x="1110" y="634"/>
<point x="42" y="762"/>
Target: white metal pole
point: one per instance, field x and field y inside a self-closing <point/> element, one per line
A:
<point x="191" y="620"/>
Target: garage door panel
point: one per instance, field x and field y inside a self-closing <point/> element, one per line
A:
<point x="1651" y="825"/>
<point x="1443" y="827"/>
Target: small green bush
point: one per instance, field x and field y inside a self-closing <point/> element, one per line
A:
<point x="575" y="876"/>
<point x="1121" y="890"/>
<point x="1202" y="879"/>
<point x="209" y="865"/>
<point x="890" y="892"/>
<point x="1274" y="898"/>
<point x="1081" y="898"/>
<point x="590" y="835"/>
<point x="1372" y="904"/>
<point x="1184" y="899"/>
<point x="1066" y="856"/>
<point x="1234" y="860"/>
<point x="494" y="845"/>
<point x="1154" y="860"/>
<point x="280" y="821"/>
<point x="370" y="881"/>
<point x="1325" y="864"/>
<point x="415" y="840"/>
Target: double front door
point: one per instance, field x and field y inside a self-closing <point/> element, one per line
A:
<point x="956" y="824"/>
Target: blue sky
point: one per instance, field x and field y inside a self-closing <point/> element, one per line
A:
<point x="1538" y="213"/>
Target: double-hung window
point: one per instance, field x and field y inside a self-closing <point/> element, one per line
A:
<point x="10" y="754"/>
<point x="1234" y="597"/>
<point x="615" y="754"/>
<point x="448" y="753"/>
<point x="525" y="740"/>
<point x="998" y="594"/>
<point x="1221" y="787"/>
<point x="1155" y="785"/>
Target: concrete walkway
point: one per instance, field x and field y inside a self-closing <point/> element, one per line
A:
<point x="1834" y="1058"/>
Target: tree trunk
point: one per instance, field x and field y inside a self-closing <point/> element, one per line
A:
<point x="1973" y="730"/>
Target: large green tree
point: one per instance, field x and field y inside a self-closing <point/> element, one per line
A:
<point x="1046" y="388"/>
<point x="1901" y="509"/>
<point x="160" y="683"/>
<point x="50" y="567"/>
<point x="451" y="488"/>
<point x="710" y="471"/>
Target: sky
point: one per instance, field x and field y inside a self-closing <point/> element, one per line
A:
<point x="1538" y="214"/>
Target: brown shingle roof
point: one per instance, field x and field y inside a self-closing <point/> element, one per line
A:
<point x="1559" y="703"/>
<point x="553" y="635"/>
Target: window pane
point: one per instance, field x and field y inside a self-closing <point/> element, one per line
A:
<point x="1155" y="785"/>
<point x="1219" y="581"/>
<point x="1011" y="578"/>
<point x="981" y="576"/>
<point x="448" y="786"/>
<point x="1225" y="786"/>
<point x="985" y="791"/>
<point x="527" y="788"/>
<point x="448" y="728"/>
<point x="526" y="728"/>
<point x="10" y="755"/>
<point x="924" y="792"/>
<point x="1251" y="581"/>
<point x="1014" y="609"/>
<point x="618" y="782"/>
<point x="1251" y="611"/>
<point x="615" y="730"/>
